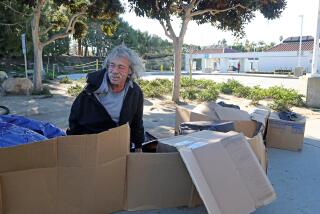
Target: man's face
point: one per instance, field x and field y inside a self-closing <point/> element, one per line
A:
<point x="118" y="71"/>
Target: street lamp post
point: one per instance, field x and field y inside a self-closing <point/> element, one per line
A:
<point x="314" y="71"/>
<point x="300" y="43"/>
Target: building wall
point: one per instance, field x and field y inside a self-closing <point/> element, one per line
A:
<point x="262" y="61"/>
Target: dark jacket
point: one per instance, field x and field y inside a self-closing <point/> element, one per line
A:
<point x="88" y="115"/>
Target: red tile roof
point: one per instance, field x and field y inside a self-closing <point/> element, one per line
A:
<point x="292" y="46"/>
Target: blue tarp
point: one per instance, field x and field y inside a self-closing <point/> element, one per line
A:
<point x="12" y="135"/>
<point x="16" y="130"/>
<point x="44" y="128"/>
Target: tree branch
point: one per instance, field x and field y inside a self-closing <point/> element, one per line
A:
<point x="14" y="10"/>
<point x="165" y="30"/>
<point x="10" y="24"/>
<point x="169" y="27"/>
<point x="48" y="29"/>
<point x="69" y="29"/>
<point x="214" y="12"/>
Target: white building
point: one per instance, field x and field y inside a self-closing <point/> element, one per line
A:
<point x="283" y="56"/>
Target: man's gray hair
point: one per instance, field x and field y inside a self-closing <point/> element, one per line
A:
<point x="136" y="65"/>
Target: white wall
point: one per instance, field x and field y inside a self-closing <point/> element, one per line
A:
<point x="267" y="61"/>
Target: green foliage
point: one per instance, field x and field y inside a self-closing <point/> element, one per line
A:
<point x="155" y="88"/>
<point x="284" y="99"/>
<point x="75" y="90"/>
<point x="209" y="94"/>
<point x="229" y="86"/>
<point x="65" y="80"/>
<point x="257" y="94"/>
<point x="242" y="91"/>
<point x="233" y="20"/>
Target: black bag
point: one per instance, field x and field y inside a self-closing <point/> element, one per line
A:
<point x="190" y="127"/>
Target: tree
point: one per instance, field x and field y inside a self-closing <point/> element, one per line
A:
<point x="223" y="14"/>
<point x="61" y="18"/>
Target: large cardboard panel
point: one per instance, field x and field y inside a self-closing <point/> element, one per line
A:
<point x="31" y="156"/>
<point x="92" y="171"/>
<point x="32" y="191"/>
<point x="238" y="150"/>
<point x="72" y="174"/>
<point x="284" y="134"/>
<point x="157" y="180"/>
<point x="219" y="185"/>
<point x="249" y="169"/>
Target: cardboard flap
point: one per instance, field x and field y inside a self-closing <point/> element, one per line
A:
<point x="157" y="180"/>
<point x="251" y="172"/>
<point x="92" y="171"/>
<point x="219" y="185"/>
<point x="217" y="112"/>
<point x="240" y="175"/>
<point x="31" y="156"/>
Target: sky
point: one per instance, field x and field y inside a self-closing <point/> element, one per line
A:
<point x="260" y="29"/>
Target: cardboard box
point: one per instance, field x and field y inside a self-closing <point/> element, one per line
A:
<point x="224" y="169"/>
<point x="72" y="174"/>
<point x="251" y="129"/>
<point x="284" y="134"/>
<point x="91" y="174"/>
<point x="97" y="174"/>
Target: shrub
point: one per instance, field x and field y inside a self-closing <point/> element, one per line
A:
<point x="257" y="94"/>
<point x="155" y="88"/>
<point x="190" y="93"/>
<point x="75" y="90"/>
<point x="229" y="86"/>
<point x="65" y="80"/>
<point x="209" y="94"/>
<point x="242" y="91"/>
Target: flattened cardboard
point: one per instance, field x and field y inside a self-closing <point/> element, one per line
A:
<point x="284" y="134"/>
<point x="157" y="180"/>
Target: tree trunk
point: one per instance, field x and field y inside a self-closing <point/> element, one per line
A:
<point x="177" y="45"/>
<point x="37" y="49"/>
<point x="86" y="50"/>
<point x="79" y="47"/>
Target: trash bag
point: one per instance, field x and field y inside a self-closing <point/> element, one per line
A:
<point x="44" y="128"/>
<point x="190" y="127"/>
<point x="288" y="116"/>
<point x="223" y="104"/>
<point x="12" y="135"/>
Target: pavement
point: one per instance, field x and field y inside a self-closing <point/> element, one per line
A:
<point x="294" y="175"/>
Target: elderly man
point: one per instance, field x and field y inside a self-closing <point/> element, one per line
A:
<point x="111" y="98"/>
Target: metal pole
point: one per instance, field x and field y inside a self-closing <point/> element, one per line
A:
<point x="300" y="43"/>
<point x="316" y="46"/>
